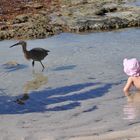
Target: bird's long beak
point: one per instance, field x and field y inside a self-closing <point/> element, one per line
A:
<point x="14" y="45"/>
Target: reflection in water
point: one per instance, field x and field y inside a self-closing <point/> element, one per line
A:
<point x="36" y="83"/>
<point x="132" y="108"/>
<point x="38" y="80"/>
<point x="129" y="111"/>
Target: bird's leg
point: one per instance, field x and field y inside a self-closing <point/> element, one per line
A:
<point x="42" y="65"/>
<point x="33" y="63"/>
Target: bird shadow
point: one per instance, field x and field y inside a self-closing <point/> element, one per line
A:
<point x="68" y="67"/>
<point x="55" y="99"/>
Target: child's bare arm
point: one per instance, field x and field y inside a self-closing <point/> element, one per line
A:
<point x="128" y="86"/>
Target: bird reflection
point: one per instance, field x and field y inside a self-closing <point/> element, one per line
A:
<point x="39" y="79"/>
<point x="132" y="108"/>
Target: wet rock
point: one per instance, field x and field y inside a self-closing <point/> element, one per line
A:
<point x="11" y="64"/>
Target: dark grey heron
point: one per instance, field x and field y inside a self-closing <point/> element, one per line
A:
<point x="36" y="54"/>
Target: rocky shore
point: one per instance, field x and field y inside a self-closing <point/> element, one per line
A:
<point x="43" y="19"/>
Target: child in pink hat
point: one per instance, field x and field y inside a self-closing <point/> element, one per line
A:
<point x="132" y="69"/>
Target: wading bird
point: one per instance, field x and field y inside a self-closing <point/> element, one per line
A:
<point x="36" y="54"/>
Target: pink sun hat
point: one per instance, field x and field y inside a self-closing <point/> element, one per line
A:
<point x="131" y="67"/>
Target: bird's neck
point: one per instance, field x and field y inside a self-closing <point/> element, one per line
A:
<point x="26" y="53"/>
<point x="24" y="49"/>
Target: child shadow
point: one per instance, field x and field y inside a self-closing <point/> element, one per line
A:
<point x="54" y="99"/>
<point x="65" y="98"/>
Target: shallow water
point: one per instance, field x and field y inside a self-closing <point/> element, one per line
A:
<point x="132" y="108"/>
<point x="79" y="92"/>
<point x="135" y="3"/>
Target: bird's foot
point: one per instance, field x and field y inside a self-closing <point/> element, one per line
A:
<point x="43" y="69"/>
<point x="33" y="63"/>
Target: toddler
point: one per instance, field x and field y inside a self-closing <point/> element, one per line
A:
<point x="132" y="69"/>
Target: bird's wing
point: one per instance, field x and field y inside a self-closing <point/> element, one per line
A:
<point x="38" y="53"/>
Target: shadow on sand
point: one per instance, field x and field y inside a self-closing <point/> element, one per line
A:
<point x="60" y="99"/>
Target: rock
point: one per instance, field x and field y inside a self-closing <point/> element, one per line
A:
<point x="73" y="2"/>
<point x="110" y="7"/>
<point x="11" y="64"/>
<point x="3" y="27"/>
<point x="101" y="12"/>
<point x="34" y="5"/>
<point x="6" y="34"/>
<point x="105" y="9"/>
<point x="37" y="27"/>
<point x="70" y="15"/>
<point x="20" y="19"/>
